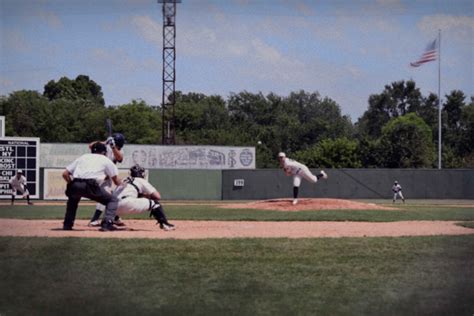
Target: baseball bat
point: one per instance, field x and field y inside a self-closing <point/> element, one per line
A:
<point x="108" y="126"/>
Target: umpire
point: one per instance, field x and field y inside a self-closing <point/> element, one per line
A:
<point x="83" y="178"/>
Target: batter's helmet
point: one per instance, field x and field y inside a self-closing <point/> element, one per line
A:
<point x="119" y="140"/>
<point x="137" y="171"/>
<point x="98" y="148"/>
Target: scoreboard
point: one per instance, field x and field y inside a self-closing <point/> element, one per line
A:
<point x="19" y="153"/>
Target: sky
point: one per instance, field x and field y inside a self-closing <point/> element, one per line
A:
<point x="345" y="50"/>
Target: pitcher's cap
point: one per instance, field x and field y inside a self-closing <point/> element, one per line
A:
<point x="19" y="171"/>
<point x="281" y="155"/>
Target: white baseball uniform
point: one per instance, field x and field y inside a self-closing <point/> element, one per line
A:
<point x="130" y="200"/>
<point x="397" y="191"/>
<point x="299" y="171"/>
<point x="19" y="184"/>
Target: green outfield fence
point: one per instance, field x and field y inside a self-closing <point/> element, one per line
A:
<point x="352" y="184"/>
<point x="261" y="184"/>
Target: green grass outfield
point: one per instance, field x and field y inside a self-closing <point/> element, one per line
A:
<point x="310" y="276"/>
<point x="415" y="210"/>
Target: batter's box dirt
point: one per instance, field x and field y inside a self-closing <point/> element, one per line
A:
<point x="235" y="229"/>
<point x="307" y="205"/>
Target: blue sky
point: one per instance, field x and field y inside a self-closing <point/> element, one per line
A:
<point x="343" y="49"/>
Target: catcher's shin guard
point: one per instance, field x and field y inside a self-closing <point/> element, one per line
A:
<point x="158" y="213"/>
<point x="96" y="215"/>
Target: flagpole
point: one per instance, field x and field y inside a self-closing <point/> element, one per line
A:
<point x="439" y="99"/>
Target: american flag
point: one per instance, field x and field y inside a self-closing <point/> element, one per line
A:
<point x="428" y="55"/>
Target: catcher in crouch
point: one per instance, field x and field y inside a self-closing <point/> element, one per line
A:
<point x="138" y="195"/>
<point x="298" y="171"/>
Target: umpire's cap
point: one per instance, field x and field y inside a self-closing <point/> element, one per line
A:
<point x="98" y="148"/>
<point x="119" y="140"/>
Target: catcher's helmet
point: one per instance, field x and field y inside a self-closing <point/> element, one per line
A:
<point x="98" y="148"/>
<point x="137" y="171"/>
<point x="119" y="140"/>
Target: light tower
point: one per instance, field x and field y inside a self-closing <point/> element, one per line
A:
<point x="169" y="74"/>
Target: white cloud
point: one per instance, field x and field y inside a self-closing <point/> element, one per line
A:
<point x="265" y="53"/>
<point x="5" y="84"/>
<point x="51" y="19"/>
<point x="148" y="28"/>
<point x="122" y="61"/>
<point x="461" y="27"/>
<point x="16" y="41"/>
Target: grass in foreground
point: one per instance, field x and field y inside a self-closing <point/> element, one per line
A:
<point x="347" y="276"/>
<point x="212" y="212"/>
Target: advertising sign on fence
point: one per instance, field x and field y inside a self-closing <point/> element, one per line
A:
<point x="159" y="157"/>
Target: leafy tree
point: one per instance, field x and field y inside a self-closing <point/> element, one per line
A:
<point x="317" y="119"/>
<point x="138" y="122"/>
<point x="406" y="143"/>
<point x="466" y="143"/>
<point x="428" y="111"/>
<point x="370" y="153"/>
<point x="286" y="124"/>
<point x="25" y="113"/>
<point x="81" y="88"/>
<point x="202" y="120"/>
<point x="396" y="100"/>
<point x="331" y="153"/>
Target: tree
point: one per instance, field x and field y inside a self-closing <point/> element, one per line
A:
<point x="202" y="119"/>
<point x="406" y="143"/>
<point x="138" y="122"/>
<point x="286" y="124"/>
<point x="81" y="88"/>
<point x="396" y="100"/>
<point x="25" y="113"/>
<point x="466" y="127"/>
<point x="317" y="119"/>
<point x="369" y="152"/>
<point x="331" y="153"/>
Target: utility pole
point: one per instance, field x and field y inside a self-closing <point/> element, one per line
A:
<point x="169" y="73"/>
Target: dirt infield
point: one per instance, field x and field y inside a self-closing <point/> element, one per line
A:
<point x="234" y="229"/>
<point x="306" y="205"/>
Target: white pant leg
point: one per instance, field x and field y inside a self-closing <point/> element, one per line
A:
<point x="296" y="180"/>
<point x="134" y="205"/>
<point x="306" y="173"/>
<point x="107" y="185"/>
<point x="401" y="195"/>
<point x="22" y="190"/>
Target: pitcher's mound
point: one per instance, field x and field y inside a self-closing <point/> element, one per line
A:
<point x="307" y="205"/>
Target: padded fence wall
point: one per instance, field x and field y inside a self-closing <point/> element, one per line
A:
<point x="352" y="184"/>
<point x="187" y="184"/>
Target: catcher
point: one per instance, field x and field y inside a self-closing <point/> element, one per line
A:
<point x="138" y="196"/>
<point x="298" y="171"/>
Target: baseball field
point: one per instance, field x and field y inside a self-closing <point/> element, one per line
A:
<point x="246" y="258"/>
